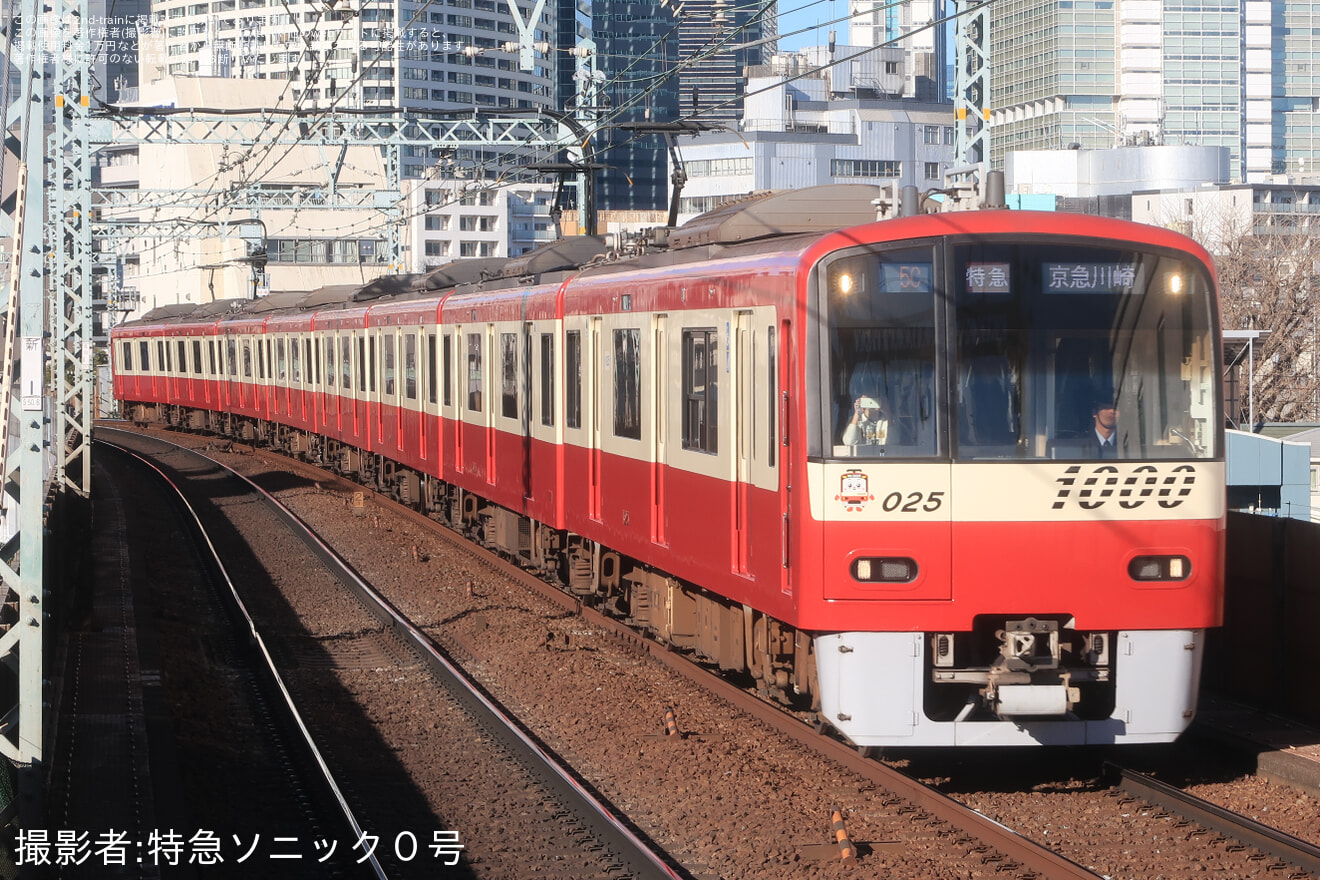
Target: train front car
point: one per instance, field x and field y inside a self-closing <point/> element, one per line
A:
<point x="1016" y="478"/>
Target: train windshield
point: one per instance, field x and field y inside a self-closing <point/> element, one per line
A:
<point x="1040" y="350"/>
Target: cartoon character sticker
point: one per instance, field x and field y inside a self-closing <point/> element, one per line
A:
<point x="854" y="491"/>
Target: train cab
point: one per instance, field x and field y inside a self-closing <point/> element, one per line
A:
<point x="1031" y="533"/>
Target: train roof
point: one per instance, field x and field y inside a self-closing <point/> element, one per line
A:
<point x="767" y="222"/>
<point x="816" y="209"/>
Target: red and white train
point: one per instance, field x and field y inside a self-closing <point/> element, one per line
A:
<point x="671" y="434"/>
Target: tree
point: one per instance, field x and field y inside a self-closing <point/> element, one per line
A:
<point x="1269" y="282"/>
<point x="1268" y="268"/>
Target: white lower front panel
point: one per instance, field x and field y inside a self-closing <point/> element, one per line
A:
<point x="871" y="685"/>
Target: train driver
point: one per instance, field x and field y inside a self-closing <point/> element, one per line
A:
<point x="1105" y="416"/>
<point x="868" y="425"/>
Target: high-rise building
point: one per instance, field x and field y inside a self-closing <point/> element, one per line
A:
<point x="420" y="56"/>
<point x="637" y="44"/>
<point x="1223" y="73"/>
<point x="718" y="40"/>
<point x="666" y="60"/>
<point x="911" y="27"/>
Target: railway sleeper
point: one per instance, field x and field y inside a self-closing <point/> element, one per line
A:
<point x="735" y="638"/>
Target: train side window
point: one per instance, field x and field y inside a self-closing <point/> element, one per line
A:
<point x="474" y="372"/>
<point x="126" y="356"/>
<point x="448" y="358"/>
<point x="628" y="384"/>
<point x="509" y="375"/>
<point x="410" y="365"/>
<point x="547" y="379"/>
<point x="432" y="367"/>
<point x="197" y="356"/>
<point x="700" y="422"/>
<point x="371" y="364"/>
<point x="144" y="354"/>
<point x="346" y="361"/>
<point x="362" y="363"/>
<point x="573" y="379"/>
<point x="387" y="344"/>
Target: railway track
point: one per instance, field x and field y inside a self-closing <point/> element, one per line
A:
<point x="1291" y="852"/>
<point x="283" y="770"/>
<point x="572" y="833"/>
<point x="986" y="844"/>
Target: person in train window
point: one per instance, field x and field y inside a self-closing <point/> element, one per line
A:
<point x="1105" y="434"/>
<point x="868" y="424"/>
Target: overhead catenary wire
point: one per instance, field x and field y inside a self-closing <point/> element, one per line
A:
<point x="482" y="169"/>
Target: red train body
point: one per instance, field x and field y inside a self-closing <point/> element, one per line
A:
<point x="675" y="434"/>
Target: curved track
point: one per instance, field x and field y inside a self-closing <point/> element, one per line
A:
<point x="604" y="843"/>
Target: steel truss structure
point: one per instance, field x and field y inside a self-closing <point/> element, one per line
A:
<point x="47" y="399"/>
<point x="330" y="131"/>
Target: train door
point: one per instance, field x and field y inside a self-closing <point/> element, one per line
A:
<point x="777" y="348"/>
<point x="246" y="388"/>
<point x="345" y="391"/>
<point x="488" y="419"/>
<point x="185" y="375"/>
<point x="744" y="422"/>
<point x="229" y="365"/>
<point x="454" y="357"/>
<point x="280" y="374"/>
<point x="269" y="393"/>
<point x="329" y="384"/>
<point x="659" y="409"/>
<point x="171" y="378"/>
<point x="426" y="397"/>
<point x="405" y="393"/>
<point x="525" y="409"/>
<point x="595" y="372"/>
<point x="379" y="340"/>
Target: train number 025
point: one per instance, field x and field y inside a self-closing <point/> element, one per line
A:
<point x="912" y="502"/>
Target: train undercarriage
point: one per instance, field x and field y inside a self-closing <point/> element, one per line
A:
<point x="737" y="639"/>
<point x="1021" y="670"/>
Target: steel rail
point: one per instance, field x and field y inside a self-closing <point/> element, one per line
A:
<point x="1034" y="858"/>
<point x="639" y="857"/>
<point x="1268" y="840"/>
<point x="257" y="642"/>
<point x="1045" y="863"/>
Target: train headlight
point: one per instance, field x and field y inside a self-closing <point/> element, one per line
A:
<point x="1160" y="568"/>
<point x="884" y="569"/>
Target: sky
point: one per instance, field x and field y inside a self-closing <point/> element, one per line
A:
<point x="797" y="14"/>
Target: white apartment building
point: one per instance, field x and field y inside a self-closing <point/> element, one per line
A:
<point x="909" y="27"/>
<point x="843" y="124"/>
<point x="177" y="259"/>
<point x="418" y="55"/>
<point x="454" y="221"/>
<point x="1218" y="213"/>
